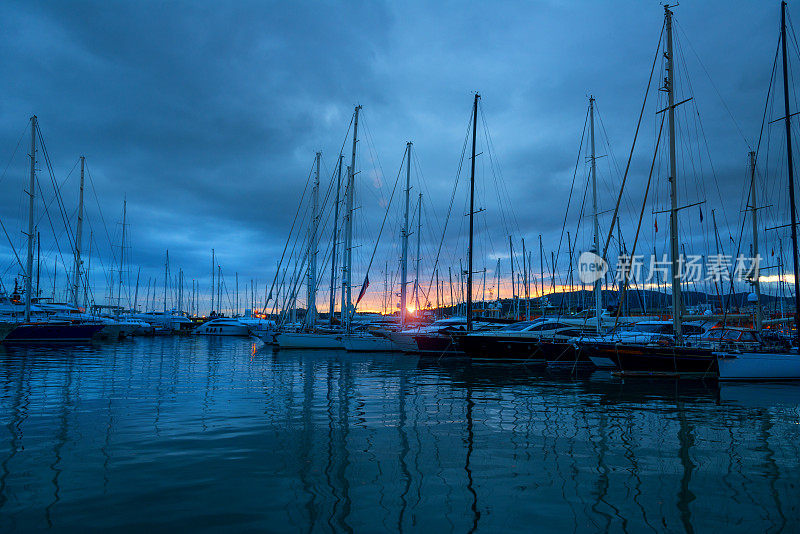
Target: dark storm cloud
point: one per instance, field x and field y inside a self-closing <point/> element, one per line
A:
<point x="207" y="115"/>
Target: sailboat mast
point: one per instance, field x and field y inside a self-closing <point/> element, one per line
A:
<point x="213" y="283"/>
<point x="347" y="301"/>
<point x="541" y="274"/>
<point x="471" y="211"/>
<point x="754" y="207"/>
<point x="790" y="163"/>
<point x="31" y="196"/>
<point x="598" y="296"/>
<point x="525" y="266"/>
<point x="513" y="283"/>
<point x="76" y="273"/>
<point x="404" y="241"/>
<point x="122" y="252"/>
<point x="419" y="232"/>
<point x="335" y="234"/>
<point x="166" y="280"/>
<point x="677" y="300"/>
<point x="311" y="292"/>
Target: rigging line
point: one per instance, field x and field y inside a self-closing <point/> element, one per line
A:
<point x="572" y="185"/>
<point x="452" y="196"/>
<point x="684" y="37"/>
<point x="633" y="145"/>
<point x="769" y="91"/>
<point x="288" y="239"/>
<point x="641" y="217"/>
<point x="54" y="182"/>
<point x="385" y="216"/>
<point x="14" y="153"/>
<point x="100" y="210"/>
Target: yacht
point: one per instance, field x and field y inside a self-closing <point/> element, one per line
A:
<point x="222" y="327"/>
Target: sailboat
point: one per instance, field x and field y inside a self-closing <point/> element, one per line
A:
<point x="762" y="365"/>
<point x="38" y="327"/>
<point x="314" y="337"/>
<point x="670" y="354"/>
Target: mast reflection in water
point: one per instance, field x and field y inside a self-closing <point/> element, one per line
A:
<point x="203" y="433"/>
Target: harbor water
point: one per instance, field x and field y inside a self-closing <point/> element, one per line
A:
<point x="207" y="434"/>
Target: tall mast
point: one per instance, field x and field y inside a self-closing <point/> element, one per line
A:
<point x="31" y="195"/>
<point x="513" y="282"/>
<point x="471" y="211"/>
<point x="541" y="274"/>
<point x="419" y="232"/>
<point x="790" y="164"/>
<point x="498" y="280"/>
<point x="404" y="241"/>
<point x="136" y="291"/>
<point x="76" y="272"/>
<point x="345" y="306"/>
<point x="311" y="292"/>
<point x="236" y="277"/>
<point x="347" y="301"/>
<point x="166" y="280"/>
<point x="219" y="287"/>
<point x="754" y="208"/>
<point x="598" y="296"/>
<point x="677" y="300"/>
<point x="122" y="253"/>
<point x="525" y="266"/>
<point x="335" y="234"/>
<point x="213" y="282"/>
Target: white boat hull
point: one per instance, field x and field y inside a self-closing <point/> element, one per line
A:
<point x="758" y="366"/>
<point x="241" y="331"/>
<point x="300" y="340"/>
<point x="369" y="344"/>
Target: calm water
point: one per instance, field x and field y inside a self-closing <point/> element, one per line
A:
<point x="173" y="434"/>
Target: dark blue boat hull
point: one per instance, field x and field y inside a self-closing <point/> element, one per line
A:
<point x="53" y="333"/>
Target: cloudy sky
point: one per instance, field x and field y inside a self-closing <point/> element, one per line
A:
<point x="206" y="117"/>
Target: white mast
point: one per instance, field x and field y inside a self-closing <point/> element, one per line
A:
<point x="598" y="296"/>
<point x="677" y="300"/>
<point x="332" y="305"/>
<point x="347" y="301"/>
<point x="78" y="238"/>
<point x="213" y="273"/>
<point x="31" y="195"/>
<point x="312" y="250"/>
<point x="404" y="241"/>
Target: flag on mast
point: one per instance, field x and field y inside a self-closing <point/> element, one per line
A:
<point x="364" y="287"/>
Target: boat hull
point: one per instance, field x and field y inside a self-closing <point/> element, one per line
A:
<point x="369" y="344"/>
<point x="437" y="345"/>
<point x="404" y="340"/>
<point x="652" y="358"/>
<point x="300" y="340"/>
<point x="758" y="366"/>
<point x="499" y="348"/>
<point x="53" y="333"/>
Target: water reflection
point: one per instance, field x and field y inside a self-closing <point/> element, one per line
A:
<point x="204" y="433"/>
